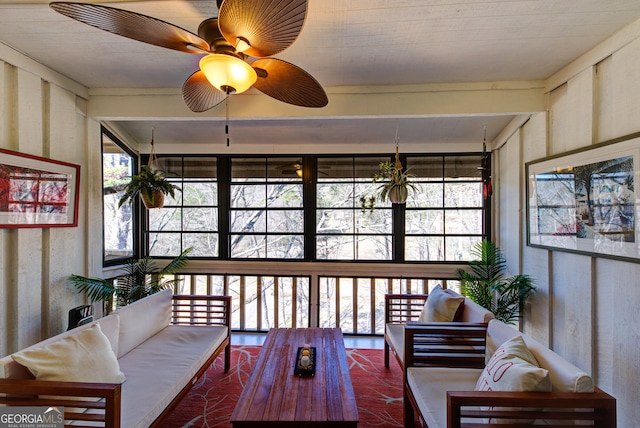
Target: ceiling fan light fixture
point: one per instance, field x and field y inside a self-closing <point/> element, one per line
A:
<point x="228" y="73"/>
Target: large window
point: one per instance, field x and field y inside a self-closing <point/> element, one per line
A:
<point x="191" y="219"/>
<point x="118" y="164"/>
<point x="266" y="213"/>
<point x="445" y="218"/>
<point x="343" y="230"/>
<point x="241" y="207"/>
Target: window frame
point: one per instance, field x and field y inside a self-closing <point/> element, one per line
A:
<point x="310" y="209"/>
<point x="135" y="206"/>
<point x="180" y="180"/>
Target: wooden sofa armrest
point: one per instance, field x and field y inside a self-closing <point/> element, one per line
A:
<point x="445" y="344"/>
<point x="401" y="308"/>
<point x="201" y="310"/>
<point x="555" y="408"/>
<point x="102" y="413"/>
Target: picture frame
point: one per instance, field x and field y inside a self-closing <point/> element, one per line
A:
<point x="37" y="192"/>
<point x="586" y="202"/>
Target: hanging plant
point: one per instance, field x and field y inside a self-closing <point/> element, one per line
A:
<point x="150" y="184"/>
<point x="394" y="187"/>
<point x="395" y="184"/>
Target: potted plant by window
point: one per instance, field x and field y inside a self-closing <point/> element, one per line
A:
<point x="395" y="185"/>
<point x="487" y="286"/>
<point x="141" y="278"/>
<point x="151" y="185"/>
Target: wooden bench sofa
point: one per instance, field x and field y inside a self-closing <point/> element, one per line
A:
<point x="467" y="389"/>
<point x="146" y="356"/>
<point x="406" y="309"/>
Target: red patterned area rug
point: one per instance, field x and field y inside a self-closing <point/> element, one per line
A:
<point x="212" y="399"/>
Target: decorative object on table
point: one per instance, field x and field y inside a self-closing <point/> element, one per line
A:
<point x="258" y="29"/>
<point x="585" y="201"/>
<point x="142" y="278"/>
<point x="395" y="183"/>
<point x="487" y="286"/>
<point x="305" y="361"/>
<point x="150" y="184"/>
<point x="37" y="191"/>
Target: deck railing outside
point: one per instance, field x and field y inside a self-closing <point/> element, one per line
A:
<point x="345" y="295"/>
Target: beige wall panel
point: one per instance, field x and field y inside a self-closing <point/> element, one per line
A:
<point x="618" y="335"/>
<point x="570" y="114"/>
<point x="509" y="202"/>
<point x="534" y="138"/>
<point x="66" y="246"/>
<point x="571" y="308"/>
<point x="535" y="261"/>
<point x="4" y="103"/>
<point x="89" y="131"/>
<point x="536" y="319"/>
<point x="29" y="113"/>
<point x="626" y="93"/>
<point x="29" y="241"/>
<point x="604" y="109"/>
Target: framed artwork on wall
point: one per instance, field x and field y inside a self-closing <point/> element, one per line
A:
<point x="37" y="192"/>
<point x="585" y="201"/>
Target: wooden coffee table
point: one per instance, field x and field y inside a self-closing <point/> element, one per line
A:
<point x="276" y="397"/>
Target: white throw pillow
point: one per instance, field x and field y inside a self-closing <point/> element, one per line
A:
<point x="441" y="306"/>
<point x="82" y="357"/>
<point x="513" y="368"/>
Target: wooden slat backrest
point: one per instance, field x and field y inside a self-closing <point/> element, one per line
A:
<point x="402" y="308"/>
<point x="201" y="310"/>
<point x="445" y="344"/>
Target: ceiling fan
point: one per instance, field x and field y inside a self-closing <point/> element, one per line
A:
<point x="238" y="44"/>
<point x="295" y="168"/>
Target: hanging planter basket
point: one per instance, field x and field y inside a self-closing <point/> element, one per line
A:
<point x="155" y="201"/>
<point x="398" y="194"/>
<point x="395" y="183"/>
<point x="150" y="184"/>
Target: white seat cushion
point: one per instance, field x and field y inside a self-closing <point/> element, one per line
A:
<point x="430" y="386"/>
<point x="160" y="367"/>
<point x="395" y="333"/>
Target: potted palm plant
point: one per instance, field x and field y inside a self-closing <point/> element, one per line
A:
<point x="394" y="187"/>
<point x="141" y="278"/>
<point x="487" y="286"/>
<point x="151" y="185"/>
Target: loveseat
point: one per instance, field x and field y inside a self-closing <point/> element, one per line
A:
<point x="445" y="306"/>
<point x="522" y="381"/>
<point x="128" y="369"/>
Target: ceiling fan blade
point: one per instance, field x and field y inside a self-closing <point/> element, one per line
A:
<point x="288" y="83"/>
<point x="199" y="95"/>
<point x="268" y="26"/>
<point x="134" y="26"/>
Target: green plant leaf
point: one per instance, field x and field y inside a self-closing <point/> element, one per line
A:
<point x="97" y="290"/>
<point x="141" y="278"/>
<point x="486" y="285"/>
